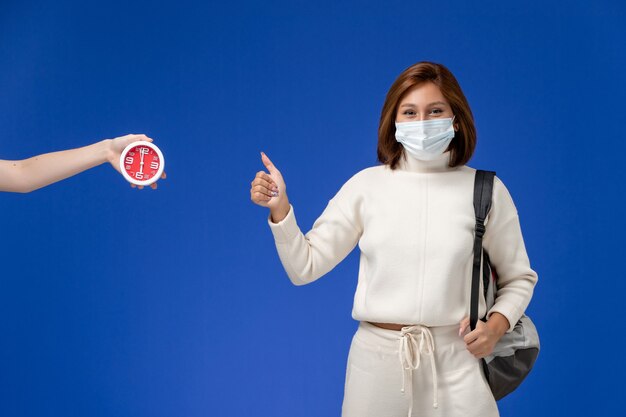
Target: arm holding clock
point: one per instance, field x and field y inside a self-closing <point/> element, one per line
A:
<point x="39" y="171"/>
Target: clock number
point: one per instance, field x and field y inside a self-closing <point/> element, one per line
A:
<point x="129" y="160"/>
<point x="139" y="175"/>
<point x="144" y="150"/>
<point x="154" y="165"/>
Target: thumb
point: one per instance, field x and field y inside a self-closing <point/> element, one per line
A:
<point x="268" y="164"/>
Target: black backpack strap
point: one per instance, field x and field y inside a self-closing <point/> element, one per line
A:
<point x="483" y="187"/>
<point x="487" y="272"/>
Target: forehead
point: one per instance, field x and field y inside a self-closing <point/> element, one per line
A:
<point x="423" y="94"/>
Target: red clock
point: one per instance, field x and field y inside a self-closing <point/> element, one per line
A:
<point x="142" y="163"/>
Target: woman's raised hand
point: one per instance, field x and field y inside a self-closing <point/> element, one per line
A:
<point x="269" y="190"/>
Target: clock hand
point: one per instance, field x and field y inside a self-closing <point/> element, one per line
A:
<point x="141" y="162"/>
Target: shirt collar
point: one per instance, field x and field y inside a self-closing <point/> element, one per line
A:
<point x="439" y="164"/>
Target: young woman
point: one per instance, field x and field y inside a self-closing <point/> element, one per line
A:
<point x="413" y="218"/>
<point x="33" y="173"/>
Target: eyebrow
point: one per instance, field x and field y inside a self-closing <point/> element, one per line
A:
<point x="431" y="104"/>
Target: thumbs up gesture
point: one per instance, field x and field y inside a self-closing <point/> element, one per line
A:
<point x="269" y="190"/>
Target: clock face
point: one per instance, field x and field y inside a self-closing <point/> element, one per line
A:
<point x="142" y="163"/>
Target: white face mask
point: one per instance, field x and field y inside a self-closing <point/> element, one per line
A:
<point x="425" y="139"/>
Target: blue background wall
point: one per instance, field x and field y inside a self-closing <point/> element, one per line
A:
<point x="173" y="302"/>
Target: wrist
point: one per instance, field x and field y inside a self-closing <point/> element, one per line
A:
<point x="498" y="323"/>
<point x="108" y="153"/>
<point x="280" y="212"/>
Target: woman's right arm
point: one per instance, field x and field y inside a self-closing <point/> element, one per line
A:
<point x="305" y="257"/>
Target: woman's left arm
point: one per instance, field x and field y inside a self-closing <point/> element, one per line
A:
<point x="504" y="243"/>
<point x="39" y="171"/>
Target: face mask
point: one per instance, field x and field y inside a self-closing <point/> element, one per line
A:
<point x="425" y="139"/>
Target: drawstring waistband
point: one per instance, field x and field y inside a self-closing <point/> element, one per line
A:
<point x="415" y="341"/>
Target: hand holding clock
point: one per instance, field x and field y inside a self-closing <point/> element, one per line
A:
<point x="127" y="157"/>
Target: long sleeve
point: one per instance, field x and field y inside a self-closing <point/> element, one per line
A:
<point x="307" y="257"/>
<point x="504" y="243"/>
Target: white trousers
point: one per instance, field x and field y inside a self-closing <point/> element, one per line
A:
<point x="418" y="371"/>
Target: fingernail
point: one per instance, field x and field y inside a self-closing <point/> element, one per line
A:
<point x="274" y="193"/>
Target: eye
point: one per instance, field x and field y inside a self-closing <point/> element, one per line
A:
<point x="409" y="113"/>
<point x="436" y="111"/>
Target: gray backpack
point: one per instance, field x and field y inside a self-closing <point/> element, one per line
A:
<point x="516" y="352"/>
